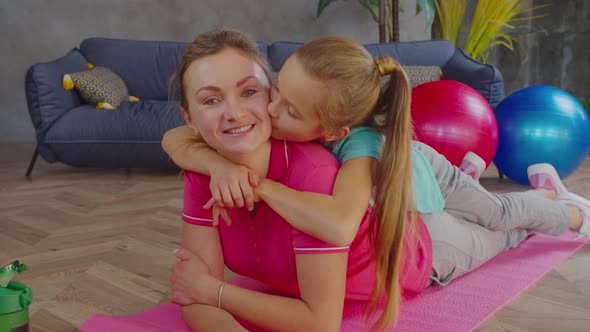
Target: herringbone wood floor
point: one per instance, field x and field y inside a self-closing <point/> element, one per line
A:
<point x="101" y="241"/>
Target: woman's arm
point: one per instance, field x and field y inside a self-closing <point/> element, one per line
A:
<point x="202" y="242"/>
<point x="334" y="219"/>
<point x="229" y="182"/>
<point x="322" y="280"/>
<point x="204" y="318"/>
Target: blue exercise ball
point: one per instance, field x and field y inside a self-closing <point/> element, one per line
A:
<point x="541" y="124"/>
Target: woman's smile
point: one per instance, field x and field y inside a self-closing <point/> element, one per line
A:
<point x="239" y="131"/>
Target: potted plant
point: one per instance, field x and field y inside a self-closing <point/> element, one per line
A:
<point x="493" y="23"/>
<point x="426" y="6"/>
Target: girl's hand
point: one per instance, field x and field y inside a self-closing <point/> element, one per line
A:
<point x="220" y="210"/>
<point x="217" y="212"/>
<point x="191" y="281"/>
<point x="230" y="187"/>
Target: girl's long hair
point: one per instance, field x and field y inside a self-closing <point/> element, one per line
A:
<point x="354" y="95"/>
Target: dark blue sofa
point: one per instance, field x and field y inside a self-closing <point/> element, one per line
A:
<point x="75" y="133"/>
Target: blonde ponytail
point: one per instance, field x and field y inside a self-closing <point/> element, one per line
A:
<point x="393" y="187"/>
<point x="356" y="97"/>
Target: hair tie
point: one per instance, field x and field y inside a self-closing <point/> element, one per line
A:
<point x="386" y="65"/>
<point x="380" y="68"/>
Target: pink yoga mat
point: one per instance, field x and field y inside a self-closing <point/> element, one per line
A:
<point x="460" y="306"/>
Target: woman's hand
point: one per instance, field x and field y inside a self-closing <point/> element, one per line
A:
<point x="191" y="281"/>
<point x="230" y="186"/>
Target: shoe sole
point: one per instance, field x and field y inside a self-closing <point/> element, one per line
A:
<point x="476" y="160"/>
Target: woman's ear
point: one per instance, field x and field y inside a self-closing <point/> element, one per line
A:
<point x="187" y="117"/>
<point x="335" y="134"/>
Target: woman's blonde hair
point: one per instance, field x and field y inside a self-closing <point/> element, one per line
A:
<point x="210" y="43"/>
<point x="354" y="96"/>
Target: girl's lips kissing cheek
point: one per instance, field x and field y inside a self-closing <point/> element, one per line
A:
<point x="241" y="130"/>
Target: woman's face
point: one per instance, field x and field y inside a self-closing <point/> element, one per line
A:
<point x="293" y="107"/>
<point x="227" y="95"/>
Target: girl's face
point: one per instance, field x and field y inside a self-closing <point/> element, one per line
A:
<point x="293" y="107"/>
<point x="227" y="95"/>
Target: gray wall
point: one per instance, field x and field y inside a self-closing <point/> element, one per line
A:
<point x="38" y="31"/>
<point x="550" y="50"/>
<point x="554" y="50"/>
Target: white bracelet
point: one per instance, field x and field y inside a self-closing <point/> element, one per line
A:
<point x="219" y="294"/>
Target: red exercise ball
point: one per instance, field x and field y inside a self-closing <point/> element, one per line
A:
<point x="454" y="119"/>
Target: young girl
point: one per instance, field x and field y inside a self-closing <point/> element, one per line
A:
<point x="331" y="85"/>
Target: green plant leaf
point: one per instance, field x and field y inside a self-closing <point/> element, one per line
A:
<point x="389" y="20"/>
<point x="491" y="25"/>
<point x="372" y="6"/>
<point x="429" y="10"/>
<point x="450" y="14"/>
<point x="322" y="4"/>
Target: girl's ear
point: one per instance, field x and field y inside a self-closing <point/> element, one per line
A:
<point x="335" y="134"/>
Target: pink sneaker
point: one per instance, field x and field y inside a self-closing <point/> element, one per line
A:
<point x="544" y="176"/>
<point x="582" y="204"/>
<point x="472" y="165"/>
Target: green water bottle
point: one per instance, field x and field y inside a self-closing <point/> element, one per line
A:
<point x="15" y="299"/>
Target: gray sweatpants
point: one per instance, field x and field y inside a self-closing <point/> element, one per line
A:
<point x="476" y="225"/>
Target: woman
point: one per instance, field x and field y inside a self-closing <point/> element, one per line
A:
<point x="224" y="93"/>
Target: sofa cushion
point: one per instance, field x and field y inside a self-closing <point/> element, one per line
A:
<point x="46" y="98"/>
<point x="279" y="52"/>
<point x="130" y="137"/>
<point x="146" y="120"/>
<point x="418" y="53"/>
<point x="146" y="66"/>
<point x="98" y="86"/>
<point x="484" y="78"/>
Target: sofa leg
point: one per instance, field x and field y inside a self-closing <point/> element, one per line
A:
<point x="33" y="160"/>
<point x="500" y="175"/>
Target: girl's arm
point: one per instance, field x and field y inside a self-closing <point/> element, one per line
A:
<point x="229" y="182"/>
<point x="334" y="219"/>
<point x="187" y="151"/>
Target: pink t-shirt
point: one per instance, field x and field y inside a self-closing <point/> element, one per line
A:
<point x="263" y="245"/>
